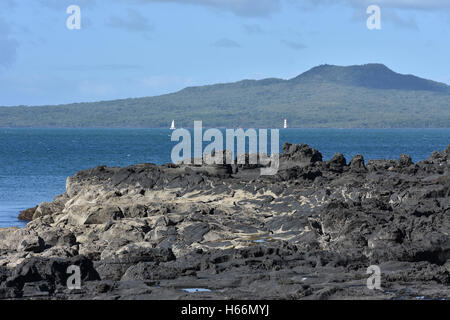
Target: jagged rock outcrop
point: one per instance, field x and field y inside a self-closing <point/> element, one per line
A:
<point x="310" y="231"/>
<point x="27" y="215"/>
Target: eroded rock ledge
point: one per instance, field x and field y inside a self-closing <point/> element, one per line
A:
<point x="311" y="231"/>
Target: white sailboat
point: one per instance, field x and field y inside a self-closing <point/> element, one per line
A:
<point x="172" y="127"/>
<point x="285" y="124"/>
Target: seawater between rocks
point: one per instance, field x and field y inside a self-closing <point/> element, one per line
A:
<point x="34" y="163"/>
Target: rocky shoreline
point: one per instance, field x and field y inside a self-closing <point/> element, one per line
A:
<point x="309" y="232"/>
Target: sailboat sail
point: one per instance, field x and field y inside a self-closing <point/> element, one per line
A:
<point x="172" y="127"/>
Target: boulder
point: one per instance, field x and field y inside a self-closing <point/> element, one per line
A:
<point x="27" y="215"/>
<point x="299" y="155"/>
<point x="337" y="163"/>
<point x="357" y="164"/>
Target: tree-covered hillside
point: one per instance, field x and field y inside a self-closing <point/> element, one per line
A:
<point x="326" y="96"/>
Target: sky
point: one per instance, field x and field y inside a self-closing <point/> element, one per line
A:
<point x="137" y="48"/>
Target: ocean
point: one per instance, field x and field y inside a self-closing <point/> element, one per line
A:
<point x="34" y="163"/>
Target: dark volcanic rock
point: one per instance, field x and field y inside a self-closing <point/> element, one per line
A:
<point x="302" y="155"/>
<point x="405" y="160"/>
<point x="337" y="163"/>
<point x="308" y="232"/>
<point x="46" y="274"/>
<point x="32" y="244"/>
<point x="357" y="164"/>
<point x="27" y="215"/>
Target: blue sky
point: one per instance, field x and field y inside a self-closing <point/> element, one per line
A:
<point x="135" y="48"/>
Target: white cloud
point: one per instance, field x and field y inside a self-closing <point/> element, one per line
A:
<point x="134" y="21"/>
<point x="410" y="4"/>
<point x="238" y="7"/>
<point x="62" y="4"/>
<point x="397" y="4"/>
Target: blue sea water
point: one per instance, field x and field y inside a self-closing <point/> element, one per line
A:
<point x="34" y="163"/>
